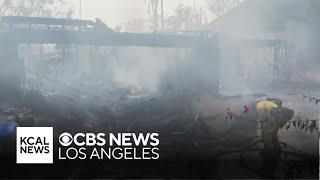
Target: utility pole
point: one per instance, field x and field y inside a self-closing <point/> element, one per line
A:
<point x="155" y="5"/>
<point x="162" y="18"/>
<point x="80" y="9"/>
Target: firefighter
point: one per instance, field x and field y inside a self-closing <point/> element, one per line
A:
<point x="272" y="116"/>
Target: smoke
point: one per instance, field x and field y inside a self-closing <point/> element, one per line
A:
<point x="245" y="67"/>
<point x="113" y="12"/>
<point x="140" y="67"/>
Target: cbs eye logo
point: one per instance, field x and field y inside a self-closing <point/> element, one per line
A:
<point x="65" y="139"/>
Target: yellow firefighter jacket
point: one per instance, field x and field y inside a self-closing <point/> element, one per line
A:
<point x="263" y="108"/>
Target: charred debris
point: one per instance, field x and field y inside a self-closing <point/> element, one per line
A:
<point x="89" y="104"/>
<point x="192" y="117"/>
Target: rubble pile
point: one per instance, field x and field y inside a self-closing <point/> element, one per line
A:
<point x="192" y="127"/>
<point x="180" y="118"/>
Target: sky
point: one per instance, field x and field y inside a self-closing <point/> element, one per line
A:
<point x="115" y="12"/>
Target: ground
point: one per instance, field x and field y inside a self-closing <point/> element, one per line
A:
<point x="196" y="138"/>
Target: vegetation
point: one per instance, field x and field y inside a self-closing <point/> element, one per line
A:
<point x="38" y="8"/>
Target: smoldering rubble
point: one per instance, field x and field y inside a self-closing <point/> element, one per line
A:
<point x="205" y="131"/>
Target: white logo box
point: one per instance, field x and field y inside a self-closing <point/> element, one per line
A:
<point x="35" y="132"/>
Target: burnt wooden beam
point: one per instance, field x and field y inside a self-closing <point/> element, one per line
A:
<point x="15" y="20"/>
<point x="104" y="38"/>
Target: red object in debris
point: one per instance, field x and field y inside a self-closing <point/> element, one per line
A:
<point x="246" y="109"/>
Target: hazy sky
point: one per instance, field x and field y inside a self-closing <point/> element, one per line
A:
<point x="116" y="12"/>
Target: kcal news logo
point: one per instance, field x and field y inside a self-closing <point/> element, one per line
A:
<point x="34" y="145"/>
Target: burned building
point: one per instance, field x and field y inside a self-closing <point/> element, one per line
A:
<point x="269" y="43"/>
<point x="58" y="73"/>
